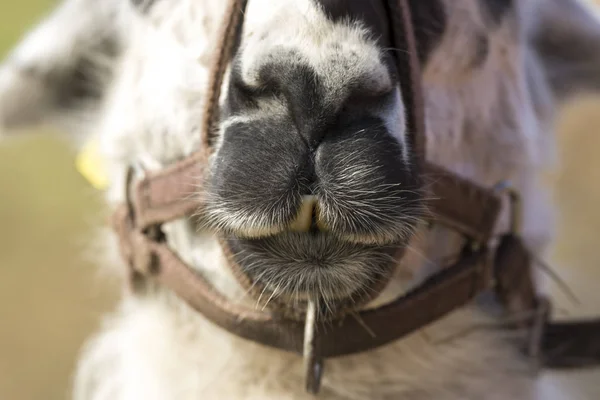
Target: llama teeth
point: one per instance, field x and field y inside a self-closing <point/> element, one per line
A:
<point x="303" y="220"/>
<point x="319" y="219"/>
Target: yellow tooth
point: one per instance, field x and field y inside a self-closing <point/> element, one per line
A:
<point x="303" y="219"/>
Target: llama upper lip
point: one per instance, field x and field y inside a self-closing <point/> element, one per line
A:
<point x="312" y="229"/>
<point x="306" y="235"/>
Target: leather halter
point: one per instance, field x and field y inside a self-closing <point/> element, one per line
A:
<point x="463" y="206"/>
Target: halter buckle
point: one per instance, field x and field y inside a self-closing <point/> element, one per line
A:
<point x="516" y="205"/>
<point x="134" y="242"/>
<point x="537" y="331"/>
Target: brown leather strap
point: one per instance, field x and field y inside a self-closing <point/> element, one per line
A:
<point x="228" y="35"/>
<point x="451" y="289"/>
<point x="409" y="71"/>
<point x="170" y="193"/>
<point x="514" y="280"/>
<point x="573" y="344"/>
<point x="460" y="204"/>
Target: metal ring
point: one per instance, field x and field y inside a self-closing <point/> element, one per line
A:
<point x="313" y="362"/>
<point x="516" y="205"/>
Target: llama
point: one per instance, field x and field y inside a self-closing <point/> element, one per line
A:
<point x="132" y="76"/>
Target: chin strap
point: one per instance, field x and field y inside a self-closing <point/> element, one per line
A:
<point x="508" y="274"/>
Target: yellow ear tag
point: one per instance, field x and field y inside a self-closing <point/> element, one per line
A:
<point x="89" y="163"/>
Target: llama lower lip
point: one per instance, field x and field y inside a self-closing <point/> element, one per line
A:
<point x="302" y="264"/>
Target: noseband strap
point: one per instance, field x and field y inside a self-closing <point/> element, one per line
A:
<point x="229" y="34"/>
<point x="471" y="210"/>
<point x="409" y="71"/>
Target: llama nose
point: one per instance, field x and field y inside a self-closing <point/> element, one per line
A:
<point x="307" y="219"/>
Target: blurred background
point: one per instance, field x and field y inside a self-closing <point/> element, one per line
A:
<point x="51" y="297"/>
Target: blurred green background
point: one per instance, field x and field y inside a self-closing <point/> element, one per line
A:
<point x="51" y="297"/>
<point x="50" y="294"/>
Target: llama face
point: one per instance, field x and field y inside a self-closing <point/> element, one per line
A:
<point x="312" y="180"/>
<point x="312" y="177"/>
